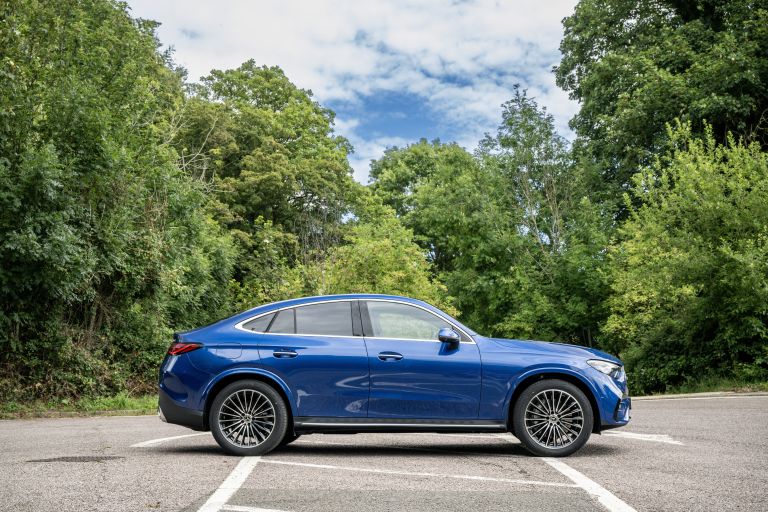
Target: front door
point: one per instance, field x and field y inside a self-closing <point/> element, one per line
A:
<point x="413" y="375"/>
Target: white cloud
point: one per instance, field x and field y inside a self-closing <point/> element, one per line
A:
<point x="461" y="60"/>
<point x="370" y="149"/>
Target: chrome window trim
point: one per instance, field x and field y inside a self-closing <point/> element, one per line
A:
<point x="240" y="324"/>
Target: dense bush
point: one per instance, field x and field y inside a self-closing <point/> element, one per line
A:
<point x="690" y="272"/>
<point x="104" y="242"/>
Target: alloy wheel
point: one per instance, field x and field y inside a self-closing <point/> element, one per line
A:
<point x="247" y="418"/>
<point x="554" y="418"/>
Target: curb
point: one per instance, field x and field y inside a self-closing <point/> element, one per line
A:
<point x="715" y="394"/>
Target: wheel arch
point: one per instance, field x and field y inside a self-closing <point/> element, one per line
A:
<point x="248" y="374"/>
<point x="560" y="375"/>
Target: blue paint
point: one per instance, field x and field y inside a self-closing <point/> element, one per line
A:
<point x="392" y="378"/>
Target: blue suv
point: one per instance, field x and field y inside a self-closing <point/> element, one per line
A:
<point x="380" y="363"/>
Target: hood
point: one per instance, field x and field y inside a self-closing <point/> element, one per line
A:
<point x="562" y="349"/>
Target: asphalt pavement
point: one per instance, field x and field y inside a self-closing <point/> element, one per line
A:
<point x="697" y="453"/>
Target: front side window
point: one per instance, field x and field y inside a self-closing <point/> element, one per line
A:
<point x="394" y="320"/>
<point x="328" y="319"/>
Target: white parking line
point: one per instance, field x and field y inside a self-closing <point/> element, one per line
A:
<point x="153" y="442"/>
<point x="603" y="495"/>
<point x="437" y="448"/>
<point x="240" y="508"/>
<point x="228" y="487"/>
<point x="412" y="473"/>
<point x="655" y="438"/>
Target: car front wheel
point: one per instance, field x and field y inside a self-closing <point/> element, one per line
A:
<point x="248" y="418"/>
<point x="552" y="418"/>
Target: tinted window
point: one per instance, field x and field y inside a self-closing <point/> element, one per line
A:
<point x="259" y="324"/>
<point x="283" y="322"/>
<point x="392" y="320"/>
<point x="330" y="318"/>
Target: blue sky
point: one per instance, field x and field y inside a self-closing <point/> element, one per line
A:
<point x="393" y="71"/>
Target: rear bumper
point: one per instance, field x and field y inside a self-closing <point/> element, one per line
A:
<point x="172" y="412"/>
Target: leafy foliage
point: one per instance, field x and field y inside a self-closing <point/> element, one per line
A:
<point x="380" y="256"/>
<point x="690" y="274"/>
<point x="133" y="204"/>
<point x="509" y="229"/>
<point x="280" y="179"/>
<point x="635" y="65"/>
<point x="105" y="246"/>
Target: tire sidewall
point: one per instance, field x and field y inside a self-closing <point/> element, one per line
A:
<point x="281" y="418"/>
<point x="518" y="417"/>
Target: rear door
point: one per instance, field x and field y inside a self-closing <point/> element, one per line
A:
<point x="413" y="375"/>
<point x="319" y="351"/>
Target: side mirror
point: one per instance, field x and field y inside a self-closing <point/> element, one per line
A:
<point x="449" y="336"/>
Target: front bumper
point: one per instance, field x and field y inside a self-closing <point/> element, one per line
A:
<point x="171" y="412"/>
<point x="621" y="413"/>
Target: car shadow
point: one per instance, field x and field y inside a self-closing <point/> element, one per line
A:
<point x="423" y="450"/>
<point x="437" y="450"/>
<point x="363" y="450"/>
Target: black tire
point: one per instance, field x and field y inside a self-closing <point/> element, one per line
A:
<point x="547" y="428"/>
<point x="289" y="438"/>
<point x="227" y="418"/>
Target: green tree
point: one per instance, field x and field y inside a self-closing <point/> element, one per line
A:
<point x="428" y="184"/>
<point x="379" y="255"/>
<point x="690" y="274"/>
<point x="104" y="243"/>
<point x="635" y="65"/>
<point x="280" y="176"/>
<point x="508" y="229"/>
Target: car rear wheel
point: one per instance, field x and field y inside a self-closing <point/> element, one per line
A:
<point x="552" y="418"/>
<point x="248" y="417"/>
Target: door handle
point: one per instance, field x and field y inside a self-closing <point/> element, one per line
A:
<point x="390" y="356"/>
<point x="285" y="353"/>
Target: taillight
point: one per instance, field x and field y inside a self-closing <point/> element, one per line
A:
<point x="179" y="347"/>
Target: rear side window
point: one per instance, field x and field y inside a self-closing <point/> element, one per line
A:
<point x="259" y="324"/>
<point x="329" y="319"/>
<point x="284" y="323"/>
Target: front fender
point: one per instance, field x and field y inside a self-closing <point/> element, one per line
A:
<point x="549" y="369"/>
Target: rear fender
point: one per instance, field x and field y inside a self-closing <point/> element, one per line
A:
<point x="242" y="373"/>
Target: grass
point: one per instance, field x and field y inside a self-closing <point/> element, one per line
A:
<point x="101" y="406"/>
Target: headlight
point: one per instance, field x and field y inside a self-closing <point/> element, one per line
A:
<point x="608" y="368"/>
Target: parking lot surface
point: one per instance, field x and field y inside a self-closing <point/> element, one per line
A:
<point x="701" y="453"/>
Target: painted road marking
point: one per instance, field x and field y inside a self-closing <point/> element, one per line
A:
<point x="413" y="473"/>
<point x="240" y="508"/>
<point x="603" y="495"/>
<point x="436" y="449"/>
<point x="655" y="438"/>
<point x="228" y="487"/>
<point x="154" y="442"/>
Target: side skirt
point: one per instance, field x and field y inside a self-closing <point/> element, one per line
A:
<point x="320" y="425"/>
